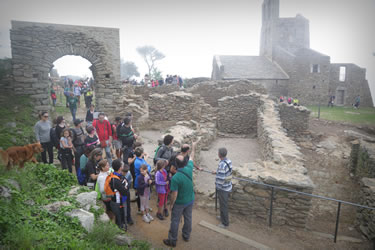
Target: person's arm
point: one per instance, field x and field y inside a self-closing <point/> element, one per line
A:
<point x="36" y="131"/>
<point x="159" y="179"/>
<point x="119" y="186"/>
<point x="93" y="177"/>
<point x="192" y="154"/>
<point x="173" y="198"/>
<point x="131" y="160"/>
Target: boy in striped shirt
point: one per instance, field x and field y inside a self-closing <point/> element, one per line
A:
<point x="223" y="185"/>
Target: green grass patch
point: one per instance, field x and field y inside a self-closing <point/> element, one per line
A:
<point x="363" y="115"/>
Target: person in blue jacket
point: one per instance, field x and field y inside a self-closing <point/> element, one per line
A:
<point x="140" y="156"/>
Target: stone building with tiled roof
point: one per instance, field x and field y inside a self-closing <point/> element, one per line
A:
<point x="288" y="66"/>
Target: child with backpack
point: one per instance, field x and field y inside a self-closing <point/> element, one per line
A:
<point x="162" y="188"/>
<point x="143" y="188"/>
<point x="66" y="146"/>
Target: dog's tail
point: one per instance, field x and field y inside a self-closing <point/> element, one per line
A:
<point x="4" y="158"/>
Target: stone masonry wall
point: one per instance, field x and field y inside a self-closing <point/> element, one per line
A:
<point x="146" y="91"/>
<point x="362" y="159"/>
<point x="36" y="46"/>
<point x="238" y="114"/>
<point x="366" y="217"/>
<point x="282" y="165"/>
<point x="212" y="91"/>
<point x="295" y="119"/>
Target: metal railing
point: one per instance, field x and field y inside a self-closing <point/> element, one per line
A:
<point x="273" y="187"/>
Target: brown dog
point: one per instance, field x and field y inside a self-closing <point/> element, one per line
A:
<point x="18" y="155"/>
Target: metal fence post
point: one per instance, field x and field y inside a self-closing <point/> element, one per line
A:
<point x="337" y="221"/>
<point x="271" y="207"/>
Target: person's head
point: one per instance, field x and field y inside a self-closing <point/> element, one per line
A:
<point x="161" y="164"/>
<point x="77" y="122"/>
<point x="222" y="153"/>
<point x="180" y="163"/>
<point x="88" y="150"/>
<point x="117" y="120"/>
<point x="96" y="155"/>
<point x="168" y="139"/>
<point x="66" y="133"/>
<point x="101" y="116"/>
<point x="92" y="107"/>
<point x="143" y="169"/>
<point x="127" y="121"/>
<point x="125" y="169"/>
<point x="103" y="166"/>
<point x="185" y="148"/>
<point x="173" y="169"/>
<point x="44" y="115"/>
<point x="90" y="130"/>
<point x="117" y="165"/>
<point x="129" y="114"/>
<point x="60" y="120"/>
<point x="138" y="151"/>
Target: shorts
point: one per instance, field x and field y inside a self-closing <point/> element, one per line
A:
<point x="117" y="144"/>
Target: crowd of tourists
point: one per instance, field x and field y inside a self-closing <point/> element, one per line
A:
<point x="150" y="82"/>
<point x="289" y="100"/>
<point x="108" y="158"/>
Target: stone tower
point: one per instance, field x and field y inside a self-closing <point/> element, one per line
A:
<point x="270" y="17"/>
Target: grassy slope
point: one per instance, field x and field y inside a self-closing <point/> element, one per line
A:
<point x="345" y="114"/>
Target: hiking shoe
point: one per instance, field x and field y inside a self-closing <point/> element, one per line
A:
<point x="166" y="214"/>
<point x="159" y="216"/>
<point x="221" y="225"/>
<point x="185" y="239"/>
<point x="169" y="243"/>
<point x="150" y="209"/>
<point x="130" y="222"/>
<point x="140" y="212"/>
<point x="150" y="217"/>
<point x="146" y="219"/>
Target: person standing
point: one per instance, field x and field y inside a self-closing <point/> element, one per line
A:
<point x="90" y="115"/>
<point x="223" y="185"/>
<point x="357" y="101"/>
<point x="182" y="199"/>
<point x="43" y="136"/>
<point x="104" y="131"/>
<point x="78" y="139"/>
<point x="165" y="151"/>
<point x="72" y="100"/>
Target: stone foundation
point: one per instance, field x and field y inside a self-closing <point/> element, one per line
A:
<point x="295" y="119"/>
<point x="366" y="217"/>
<point x="362" y="159"/>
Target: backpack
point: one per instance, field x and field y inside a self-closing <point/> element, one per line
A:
<point x="54" y="138"/>
<point x="74" y="135"/>
<point x="156" y="152"/>
<point x="127" y="138"/>
<point x="107" y="185"/>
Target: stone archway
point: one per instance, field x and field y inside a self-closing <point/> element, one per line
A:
<point x="35" y="46"/>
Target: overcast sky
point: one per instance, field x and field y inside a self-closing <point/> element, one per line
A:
<point x="190" y="32"/>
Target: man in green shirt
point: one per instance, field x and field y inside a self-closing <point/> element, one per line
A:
<point x="73" y="100"/>
<point x="182" y="198"/>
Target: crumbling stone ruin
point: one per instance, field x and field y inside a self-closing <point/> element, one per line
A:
<point x="211" y="109"/>
<point x="287" y="65"/>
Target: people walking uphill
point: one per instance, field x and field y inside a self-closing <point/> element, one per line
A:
<point x="182" y="199"/>
<point x="42" y="131"/>
<point x="143" y="189"/>
<point x="66" y="147"/>
<point x="72" y="100"/>
<point x="223" y="184"/>
<point x="104" y="131"/>
<point x="90" y="115"/>
<point x="162" y="188"/>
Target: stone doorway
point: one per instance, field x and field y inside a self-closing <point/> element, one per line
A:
<point x="340" y="100"/>
<point x="35" y="46"/>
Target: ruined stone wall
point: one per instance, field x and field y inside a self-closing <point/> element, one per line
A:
<point x="36" y="46"/>
<point x="295" y="119"/>
<point x="354" y="84"/>
<point x="146" y="91"/>
<point x="238" y="114"/>
<point x="366" y="217"/>
<point x="362" y="159"/>
<point x="175" y="106"/>
<point x="281" y="164"/>
<point x="212" y="91"/>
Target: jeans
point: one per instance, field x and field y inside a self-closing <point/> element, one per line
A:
<point x="47" y="147"/>
<point x="177" y="212"/>
<point x="223" y="201"/>
<point x="109" y="155"/>
<point x="66" y="160"/>
<point x="73" y="110"/>
<point x="118" y="211"/>
<point x="77" y="156"/>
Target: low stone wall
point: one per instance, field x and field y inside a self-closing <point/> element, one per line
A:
<point x="366" y="217"/>
<point x="146" y="91"/>
<point x="175" y="106"/>
<point x="295" y="119"/>
<point x="238" y="114"/>
<point x="212" y="91"/>
<point x="362" y="159"/>
<point x="282" y="165"/>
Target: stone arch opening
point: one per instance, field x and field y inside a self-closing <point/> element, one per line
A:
<point x="36" y="46"/>
<point x="70" y="65"/>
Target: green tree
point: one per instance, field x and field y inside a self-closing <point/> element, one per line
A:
<point x="128" y="69"/>
<point x="150" y="55"/>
